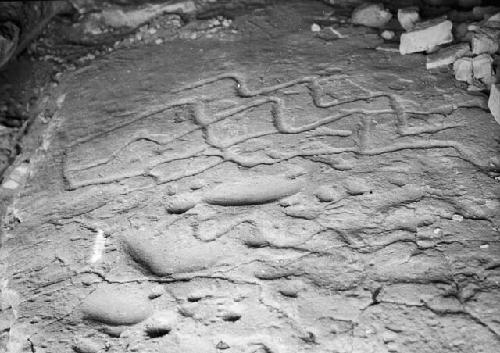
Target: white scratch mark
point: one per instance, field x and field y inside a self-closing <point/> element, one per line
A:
<point x="99" y="244"/>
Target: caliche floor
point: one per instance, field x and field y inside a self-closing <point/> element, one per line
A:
<point x="270" y="193"/>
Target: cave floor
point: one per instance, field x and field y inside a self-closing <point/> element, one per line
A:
<point x="275" y="192"/>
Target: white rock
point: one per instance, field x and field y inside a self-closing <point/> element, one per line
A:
<point x="447" y="56"/>
<point x="463" y="69"/>
<point x="388" y="35"/>
<point x="10" y="184"/>
<point x="315" y="27"/>
<point x="494" y="102"/>
<point x="426" y="36"/>
<point x="482" y="68"/>
<point x="482" y="43"/>
<point x="371" y="15"/>
<point x="408" y="17"/>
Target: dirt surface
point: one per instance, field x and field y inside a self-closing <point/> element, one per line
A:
<point x="270" y="191"/>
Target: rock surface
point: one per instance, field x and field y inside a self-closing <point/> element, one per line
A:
<point x="333" y="199"/>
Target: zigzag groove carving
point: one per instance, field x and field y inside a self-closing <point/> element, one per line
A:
<point x="197" y="107"/>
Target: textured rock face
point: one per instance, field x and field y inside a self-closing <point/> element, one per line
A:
<point x="426" y="36"/>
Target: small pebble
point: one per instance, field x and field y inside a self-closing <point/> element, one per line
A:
<point x="160" y="323"/>
<point x="484" y="246"/>
<point x="457" y="218"/>
<point x="315" y="27"/>
<point x="388" y="35"/>
<point x="156" y="291"/>
<point x="222" y="345"/>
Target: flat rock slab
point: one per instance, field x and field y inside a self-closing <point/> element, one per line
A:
<point x="251" y="195"/>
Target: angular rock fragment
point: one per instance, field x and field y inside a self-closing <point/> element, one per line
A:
<point x="483" y="43"/>
<point x="447" y="56"/>
<point x="408" y="17"/>
<point x="494" y="102"/>
<point x="426" y="36"/>
<point x="493" y="21"/>
<point x="371" y="15"/>
<point x="117" y="306"/>
<point x="463" y="69"/>
<point x="482" y="68"/>
<point x="254" y="191"/>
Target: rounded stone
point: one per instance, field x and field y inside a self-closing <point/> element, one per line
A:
<point x="117" y="306"/>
